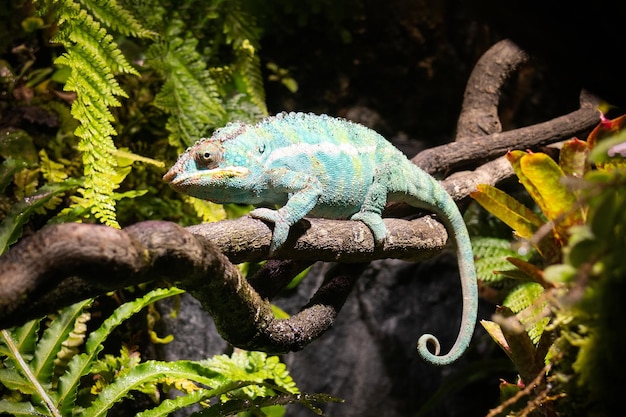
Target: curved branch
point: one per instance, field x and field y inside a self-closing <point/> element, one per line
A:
<point x="479" y="114"/>
<point x="477" y="150"/>
<point x="66" y="263"/>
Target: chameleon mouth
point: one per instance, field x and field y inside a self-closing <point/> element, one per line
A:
<point x="178" y="179"/>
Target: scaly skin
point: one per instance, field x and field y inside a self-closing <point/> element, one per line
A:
<point x="324" y="167"/>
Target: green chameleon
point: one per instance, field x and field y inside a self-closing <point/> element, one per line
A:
<point x="324" y="167"/>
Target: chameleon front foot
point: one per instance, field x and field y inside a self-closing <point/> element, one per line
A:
<point x="281" y="227"/>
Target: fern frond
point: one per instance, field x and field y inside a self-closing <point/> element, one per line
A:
<point x="206" y="210"/>
<point x="79" y="29"/>
<point x="51" y="342"/>
<point x="25" y="370"/>
<point x="243" y="34"/>
<point x="18" y="409"/>
<point x="146" y="373"/>
<point x="51" y="170"/>
<point x="189" y="94"/>
<point x="71" y="344"/>
<point x="527" y="302"/>
<point x="492" y="265"/>
<point x="79" y="365"/>
<point x="94" y="59"/>
<point x="114" y="16"/>
<point x="25" y="337"/>
<point x="254" y="367"/>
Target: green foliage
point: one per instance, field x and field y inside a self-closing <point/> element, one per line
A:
<point x="20" y="169"/>
<point x="199" y="93"/>
<point x="42" y="371"/>
<point x="561" y="323"/>
<point x="93" y="59"/>
<point x="492" y="261"/>
<point x="109" y="80"/>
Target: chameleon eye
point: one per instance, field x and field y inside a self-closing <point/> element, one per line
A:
<point x="207" y="156"/>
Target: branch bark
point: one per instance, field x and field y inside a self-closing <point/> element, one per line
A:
<point x="471" y="151"/>
<point x="479" y="113"/>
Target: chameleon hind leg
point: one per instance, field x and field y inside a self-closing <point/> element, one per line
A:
<point x="373" y="205"/>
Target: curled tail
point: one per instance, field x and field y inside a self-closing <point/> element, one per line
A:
<point x="453" y="220"/>
<point x="405" y="182"/>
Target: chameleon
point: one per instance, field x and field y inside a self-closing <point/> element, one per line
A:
<point x="321" y="166"/>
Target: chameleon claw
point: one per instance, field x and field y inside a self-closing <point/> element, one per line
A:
<point x="281" y="228"/>
<point x="374" y="222"/>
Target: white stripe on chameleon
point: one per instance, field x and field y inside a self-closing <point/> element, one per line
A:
<point x="317" y="148"/>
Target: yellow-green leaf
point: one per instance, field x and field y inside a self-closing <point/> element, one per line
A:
<point x="557" y="201"/>
<point x="513" y="213"/>
<point x="208" y="211"/>
<point x="573" y="158"/>
<point x="514" y="158"/>
<point x="494" y="330"/>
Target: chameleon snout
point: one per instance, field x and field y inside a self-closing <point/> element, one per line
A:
<point x="170" y="175"/>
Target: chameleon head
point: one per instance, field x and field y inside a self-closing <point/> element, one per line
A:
<point x="203" y="170"/>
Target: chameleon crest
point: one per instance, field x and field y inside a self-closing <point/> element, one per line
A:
<point x="326" y="167"/>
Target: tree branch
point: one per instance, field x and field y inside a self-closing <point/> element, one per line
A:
<point x="479" y="113"/>
<point x="464" y="152"/>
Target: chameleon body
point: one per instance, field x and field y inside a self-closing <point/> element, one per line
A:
<point x="325" y="167"/>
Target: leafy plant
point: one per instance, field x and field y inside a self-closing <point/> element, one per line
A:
<point x="550" y="319"/>
<point x="42" y="371"/>
<point x="93" y="60"/>
<point x="99" y="82"/>
<point x="21" y="168"/>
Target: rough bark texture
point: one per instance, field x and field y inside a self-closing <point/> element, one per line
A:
<point x="479" y="115"/>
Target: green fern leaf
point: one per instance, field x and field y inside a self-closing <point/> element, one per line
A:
<point x="523" y="296"/>
<point x="35" y="387"/>
<point x="52" y="340"/>
<point x="13" y="380"/>
<point x="93" y="59"/>
<point x="77" y="28"/>
<point x="71" y="344"/>
<point x="491" y="247"/>
<point x="17" y="409"/>
<point x="11" y="226"/>
<point x="254" y="367"/>
<point x="248" y="66"/>
<point x="168" y="407"/>
<point x="79" y="365"/>
<point x="207" y="211"/>
<point x="492" y="265"/>
<point x="117" y="18"/>
<point x="525" y="300"/>
<point x="243" y="34"/>
<point x="145" y="373"/>
<point x="25" y="337"/>
<point x="189" y="94"/>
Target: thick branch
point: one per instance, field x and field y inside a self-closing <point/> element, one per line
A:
<point x="479" y="114"/>
<point x="39" y="274"/>
<point x="450" y="157"/>
<point x="247" y="239"/>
